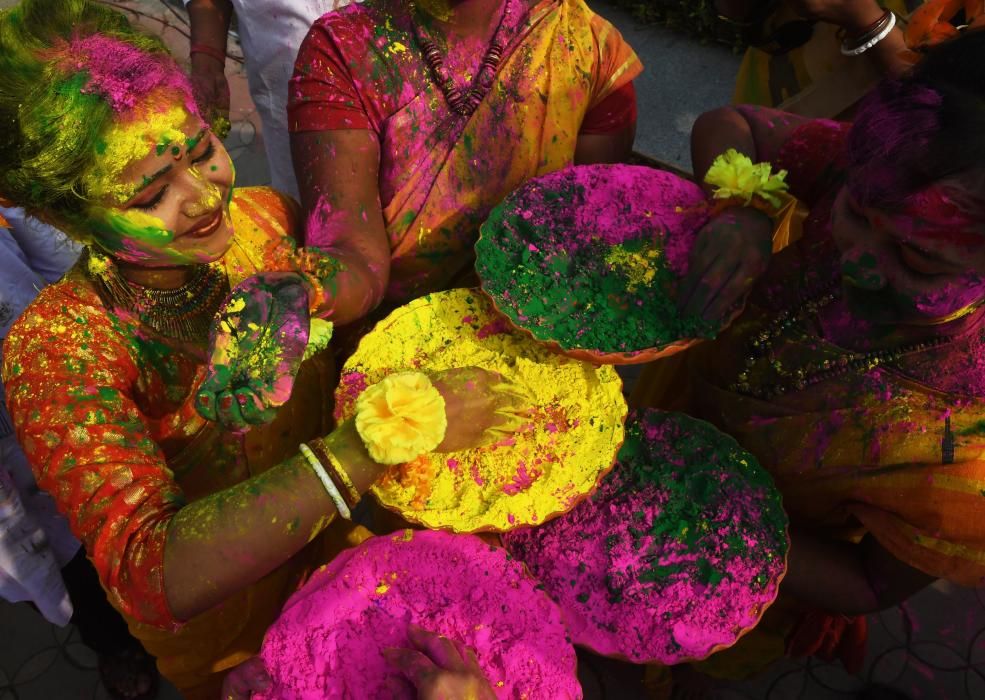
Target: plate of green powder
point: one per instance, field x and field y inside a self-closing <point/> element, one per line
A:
<point x="587" y="260"/>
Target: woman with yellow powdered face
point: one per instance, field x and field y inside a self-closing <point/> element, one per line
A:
<point x="161" y="389"/>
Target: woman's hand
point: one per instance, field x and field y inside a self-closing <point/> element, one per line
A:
<point x="440" y="668"/>
<point x="210" y="86"/>
<point x="480" y="405"/>
<point x="242" y="681"/>
<point x="257" y="346"/>
<point x="729" y="255"/>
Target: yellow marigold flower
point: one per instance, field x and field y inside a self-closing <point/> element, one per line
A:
<point x="735" y="176"/>
<point x="401" y="418"/>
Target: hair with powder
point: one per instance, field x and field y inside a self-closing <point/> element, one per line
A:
<point x="927" y="126"/>
<point x="69" y="69"/>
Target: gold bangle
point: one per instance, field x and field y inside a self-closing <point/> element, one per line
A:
<point x="338" y="472"/>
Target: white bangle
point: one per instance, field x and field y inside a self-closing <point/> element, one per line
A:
<point x="326" y="481"/>
<point x="879" y="36"/>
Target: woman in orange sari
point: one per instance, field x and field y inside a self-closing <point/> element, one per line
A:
<point x="410" y="121"/>
<point x="854" y="374"/>
<point x="174" y="457"/>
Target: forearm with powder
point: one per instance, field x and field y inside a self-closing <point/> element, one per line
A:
<point x="220" y="544"/>
<point x="209" y="23"/>
<point x="338" y="175"/>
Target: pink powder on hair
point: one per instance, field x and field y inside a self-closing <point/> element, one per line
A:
<point x="120" y="73"/>
<point x="329" y="640"/>
<point x="678" y="553"/>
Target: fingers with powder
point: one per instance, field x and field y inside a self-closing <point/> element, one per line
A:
<point x="440" y="668"/>
<point x="242" y="681"/>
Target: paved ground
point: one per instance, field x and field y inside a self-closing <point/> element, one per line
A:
<point x="932" y="648"/>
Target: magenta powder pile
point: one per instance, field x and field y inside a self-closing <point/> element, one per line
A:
<point x="329" y="640"/>
<point x="678" y="553"/>
<point x="590" y="257"/>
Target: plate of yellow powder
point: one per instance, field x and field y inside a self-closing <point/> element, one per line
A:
<point x="546" y="468"/>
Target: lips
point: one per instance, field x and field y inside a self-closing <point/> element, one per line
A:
<point x="207" y="228"/>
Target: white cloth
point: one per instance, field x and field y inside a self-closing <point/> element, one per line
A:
<point x="35" y="540"/>
<point x="271" y="32"/>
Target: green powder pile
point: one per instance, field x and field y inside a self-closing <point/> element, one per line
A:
<point x="590" y="257"/>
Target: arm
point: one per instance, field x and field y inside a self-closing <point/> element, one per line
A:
<point x="615" y="147"/>
<point x="218" y="545"/>
<point x="847" y="578"/>
<point x="758" y="132"/>
<point x="855" y="16"/>
<point x="338" y="177"/>
<point x="209" y="21"/>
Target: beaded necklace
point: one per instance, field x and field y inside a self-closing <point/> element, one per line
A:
<point x="185" y="313"/>
<point x="761" y="348"/>
<point x="462" y="100"/>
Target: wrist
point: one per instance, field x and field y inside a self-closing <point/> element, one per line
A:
<point x="348" y="448"/>
<point x="207" y="57"/>
<point x="862" y="18"/>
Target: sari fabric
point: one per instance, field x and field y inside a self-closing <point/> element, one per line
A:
<point x="104" y="408"/>
<point x="441" y="173"/>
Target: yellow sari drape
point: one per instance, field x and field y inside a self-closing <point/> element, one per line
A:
<point x="564" y="60"/>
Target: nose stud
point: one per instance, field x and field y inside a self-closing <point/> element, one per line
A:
<point x="177" y="153"/>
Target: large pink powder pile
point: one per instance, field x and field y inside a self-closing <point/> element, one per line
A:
<point x="329" y="640"/>
<point x="676" y="555"/>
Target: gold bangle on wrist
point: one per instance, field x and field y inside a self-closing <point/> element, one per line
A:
<point x="337" y="471"/>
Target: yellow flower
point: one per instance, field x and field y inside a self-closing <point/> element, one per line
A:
<point x="401" y="418"/>
<point x="735" y="176"/>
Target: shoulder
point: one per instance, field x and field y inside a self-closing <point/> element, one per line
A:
<point x="67" y="331"/>
<point x="264" y="208"/>
<point x="814" y="157"/>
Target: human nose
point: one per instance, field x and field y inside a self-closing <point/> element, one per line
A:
<point x="203" y="196"/>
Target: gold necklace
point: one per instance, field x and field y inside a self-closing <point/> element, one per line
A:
<point x="185" y="313"/>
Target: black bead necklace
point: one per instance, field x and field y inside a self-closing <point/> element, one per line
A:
<point x="761" y="348"/>
<point x="463" y="101"/>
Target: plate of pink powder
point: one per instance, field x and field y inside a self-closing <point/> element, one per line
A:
<point x="678" y="553"/>
<point x="330" y="637"/>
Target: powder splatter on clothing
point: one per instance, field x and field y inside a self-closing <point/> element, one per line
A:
<point x="441" y="174"/>
<point x="543" y="469"/>
<point x="678" y="553"/>
<point x="329" y="641"/>
<point x="589" y="257"/>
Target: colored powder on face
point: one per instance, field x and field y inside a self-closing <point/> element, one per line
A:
<point x="679" y="551"/>
<point x="329" y="640"/>
<point x="152" y="125"/>
<point x="589" y="257"/>
<point x="120" y="73"/>
<point x="569" y="443"/>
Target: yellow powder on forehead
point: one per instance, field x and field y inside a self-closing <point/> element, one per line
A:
<point x="550" y="464"/>
<point x="131" y="141"/>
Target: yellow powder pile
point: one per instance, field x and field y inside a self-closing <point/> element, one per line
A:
<point x="545" y="469"/>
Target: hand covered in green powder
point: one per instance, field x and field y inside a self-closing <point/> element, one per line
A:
<point x="481" y="407"/>
<point x="730" y="253"/>
<point x="440" y="668"/>
<point x="257" y="345"/>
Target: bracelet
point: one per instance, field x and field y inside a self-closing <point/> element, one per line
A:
<point x="212" y="51"/>
<point x="326" y="481"/>
<point x="401" y="418"/>
<point x="339" y="475"/>
<point x="867" y="41"/>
